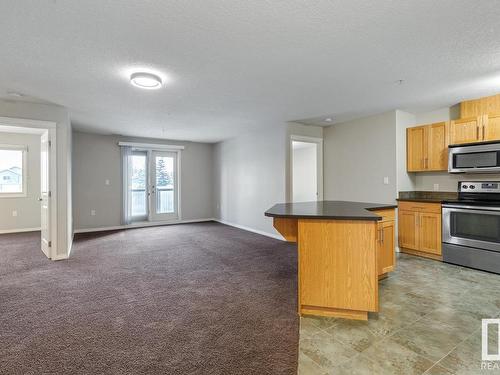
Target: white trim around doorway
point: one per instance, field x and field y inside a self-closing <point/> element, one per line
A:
<point x="12" y="124"/>
<point x="319" y="158"/>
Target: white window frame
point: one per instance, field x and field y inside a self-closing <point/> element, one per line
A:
<point x="24" y="192"/>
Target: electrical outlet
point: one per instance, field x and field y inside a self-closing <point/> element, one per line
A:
<point x="14" y="213"/>
<point x="386" y="180"/>
<point x="106" y="182"/>
<point x="436" y="187"/>
<point x="92" y="212"/>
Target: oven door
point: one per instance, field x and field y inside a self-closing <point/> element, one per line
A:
<point x="471" y="226"/>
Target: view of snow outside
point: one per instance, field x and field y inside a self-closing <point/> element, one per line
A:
<point x="164" y="185"/>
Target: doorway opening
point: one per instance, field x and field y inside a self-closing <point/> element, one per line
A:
<point x="27" y="180"/>
<point x="306" y="169"/>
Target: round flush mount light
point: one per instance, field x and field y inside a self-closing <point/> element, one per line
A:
<point x="147" y="81"/>
<point x="328" y="119"/>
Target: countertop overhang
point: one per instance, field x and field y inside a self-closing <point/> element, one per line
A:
<point x="332" y="210"/>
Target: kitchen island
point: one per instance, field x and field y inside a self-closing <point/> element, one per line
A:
<point x="344" y="248"/>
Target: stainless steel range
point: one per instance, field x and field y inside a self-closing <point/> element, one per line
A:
<point x="471" y="226"/>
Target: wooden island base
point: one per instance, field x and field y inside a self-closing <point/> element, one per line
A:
<point x="340" y="263"/>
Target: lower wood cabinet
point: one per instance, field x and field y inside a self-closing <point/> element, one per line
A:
<point x="385" y="247"/>
<point x="386" y="233"/>
<point x="420" y="228"/>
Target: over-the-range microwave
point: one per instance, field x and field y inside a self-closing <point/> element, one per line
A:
<point x="474" y="158"/>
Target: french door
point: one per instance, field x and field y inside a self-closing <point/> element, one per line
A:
<point x="153" y="186"/>
<point x="163" y="186"/>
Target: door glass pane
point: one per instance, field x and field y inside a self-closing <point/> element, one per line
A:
<point x="165" y="184"/>
<point x="475" y="226"/>
<point x="11" y="171"/>
<point x="138" y="188"/>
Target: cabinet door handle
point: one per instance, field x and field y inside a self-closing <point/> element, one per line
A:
<point x="477" y="132"/>
<point x="382" y="235"/>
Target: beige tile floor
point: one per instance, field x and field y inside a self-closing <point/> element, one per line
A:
<point x="429" y="323"/>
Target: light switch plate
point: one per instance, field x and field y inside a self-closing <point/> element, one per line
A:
<point x="386" y="180"/>
<point x="106" y="182"/>
<point x="14" y="213"/>
<point x="92" y="212"/>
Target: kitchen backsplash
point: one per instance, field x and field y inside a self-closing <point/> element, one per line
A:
<point x="448" y="182"/>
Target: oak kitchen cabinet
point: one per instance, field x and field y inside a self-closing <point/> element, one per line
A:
<point x="420" y="228"/>
<point x="489" y="105"/>
<point x="427" y="148"/>
<point x="475" y="129"/>
<point x="386" y="233"/>
<point x="344" y="248"/>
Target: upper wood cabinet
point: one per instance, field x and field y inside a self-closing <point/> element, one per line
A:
<point x="427" y="148"/>
<point x="416" y="147"/>
<point x="475" y="129"/>
<point x="489" y="105"/>
<point x="491" y="127"/>
<point x="466" y="130"/>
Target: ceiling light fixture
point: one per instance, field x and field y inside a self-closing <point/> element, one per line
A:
<point x="146" y="80"/>
<point x="328" y="119"/>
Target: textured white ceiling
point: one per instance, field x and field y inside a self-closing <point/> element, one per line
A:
<point x="238" y="65"/>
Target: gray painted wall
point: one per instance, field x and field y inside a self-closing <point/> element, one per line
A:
<point x="250" y="177"/>
<point x="96" y="158"/>
<point x="405" y="181"/>
<point x="358" y="155"/>
<point x="28" y="208"/>
<point x="59" y="115"/>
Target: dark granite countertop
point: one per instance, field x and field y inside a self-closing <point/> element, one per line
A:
<point x="427" y="196"/>
<point x="340" y="210"/>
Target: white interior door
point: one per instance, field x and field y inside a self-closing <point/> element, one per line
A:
<point x="164" y="186"/>
<point x="45" y="193"/>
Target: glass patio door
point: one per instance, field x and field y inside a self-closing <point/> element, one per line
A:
<point x="163" y="186"/>
<point x="138" y="189"/>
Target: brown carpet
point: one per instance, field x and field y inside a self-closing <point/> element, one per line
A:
<point x="184" y="299"/>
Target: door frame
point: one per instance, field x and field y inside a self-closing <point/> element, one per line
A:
<point x="319" y="163"/>
<point x="16" y="125"/>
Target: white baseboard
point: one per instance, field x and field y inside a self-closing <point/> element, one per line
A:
<point x="5" y="231"/>
<point x="141" y="225"/>
<point x="261" y="232"/>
